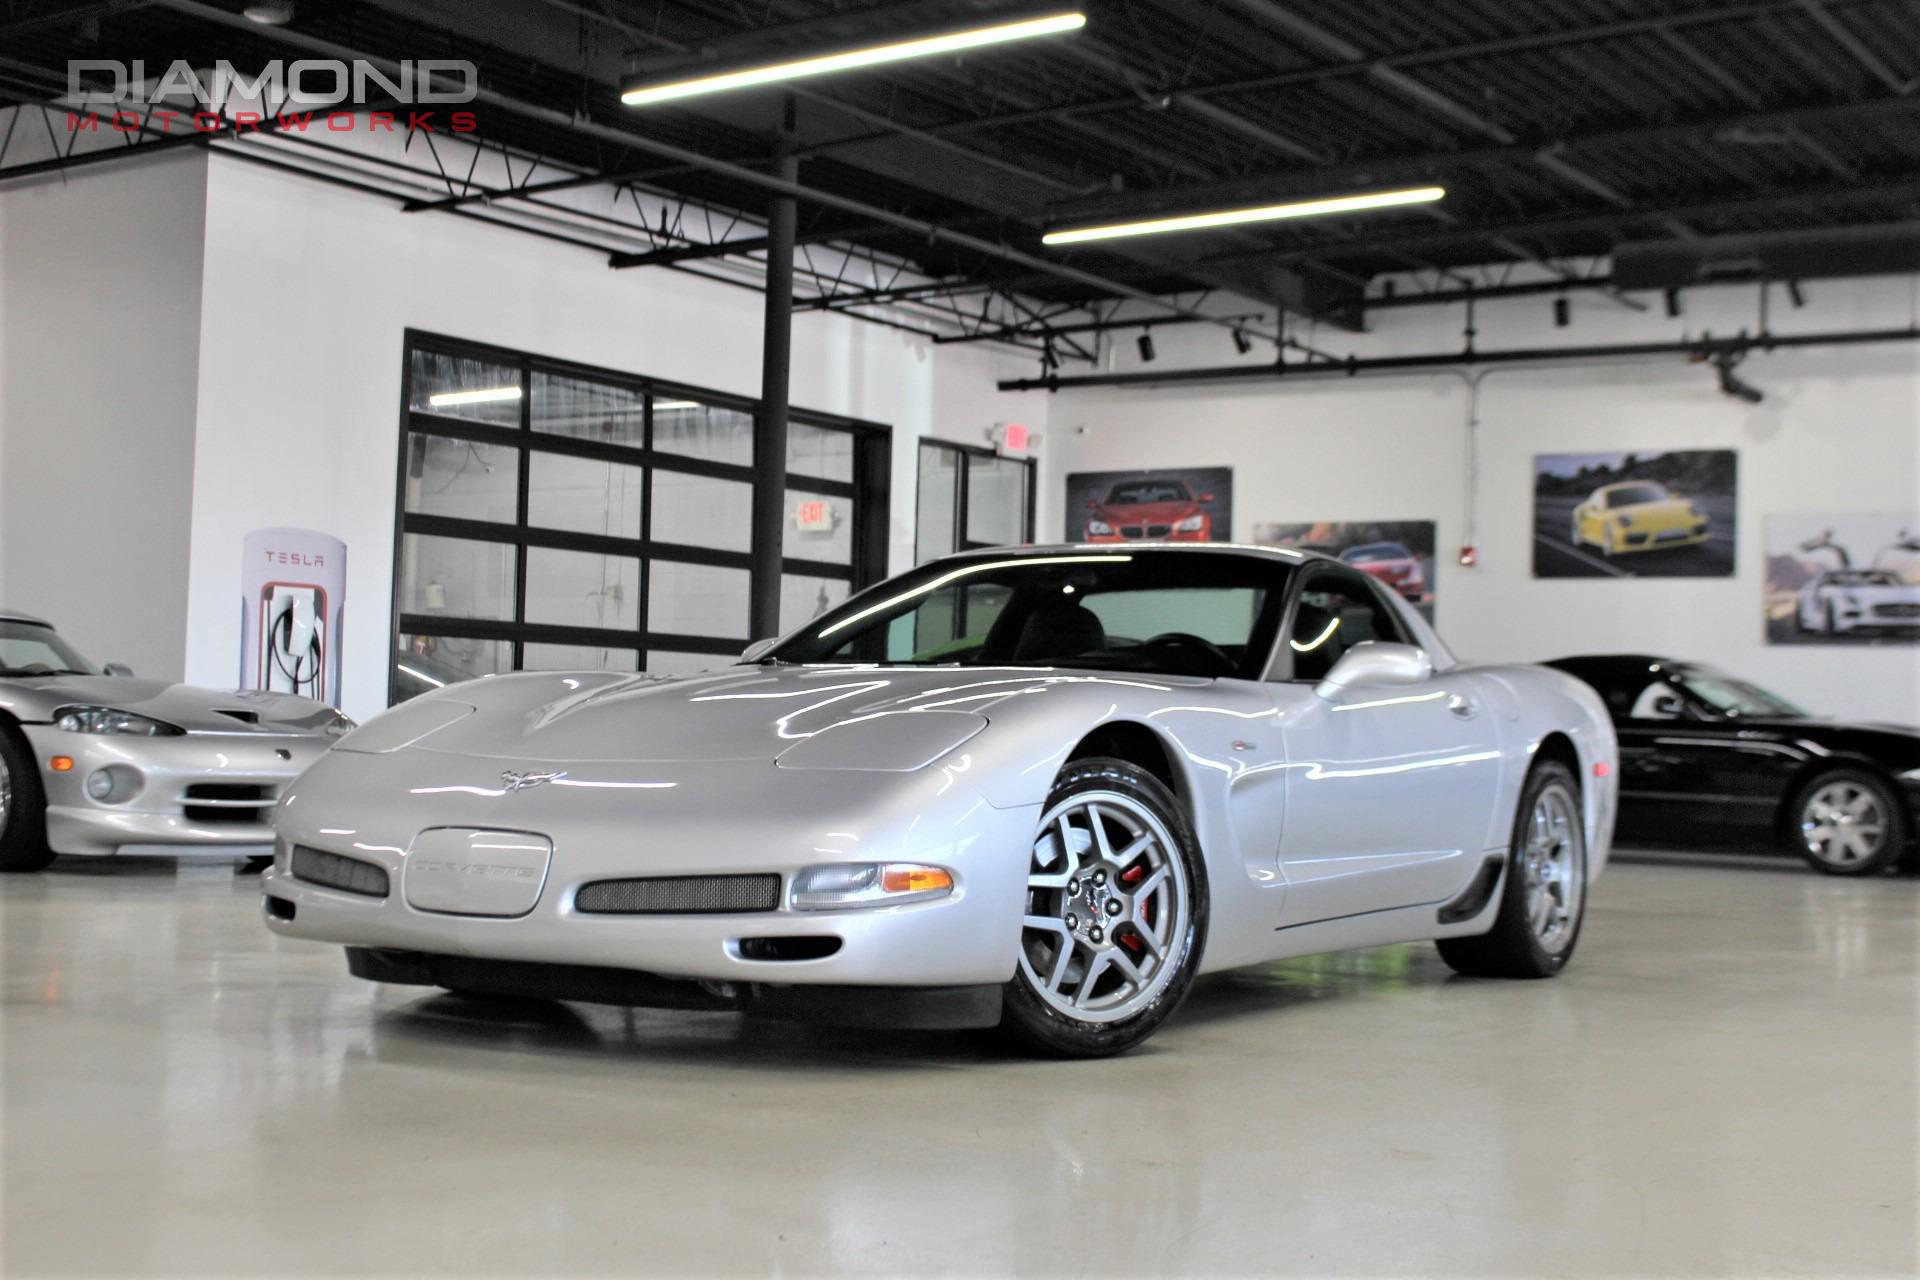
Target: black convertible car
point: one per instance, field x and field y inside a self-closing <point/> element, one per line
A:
<point x="1710" y="759"/>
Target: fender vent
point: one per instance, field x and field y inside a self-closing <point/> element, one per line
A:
<point x="679" y="895"/>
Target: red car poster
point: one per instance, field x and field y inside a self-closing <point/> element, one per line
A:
<point x="1399" y="553"/>
<point x="1175" y="505"/>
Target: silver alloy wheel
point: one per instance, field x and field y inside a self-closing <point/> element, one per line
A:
<point x="1552" y="867"/>
<point x="1843" y="823"/>
<point x="1107" y="907"/>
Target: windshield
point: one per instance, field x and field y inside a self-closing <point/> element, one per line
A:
<point x="1170" y="612"/>
<point x="1863" y="578"/>
<point x="1132" y="495"/>
<point x="29" y="649"/>
<point x="1733" y="697"/>
<point x="1634" y="494"/>
<point x="1374" y="551"/>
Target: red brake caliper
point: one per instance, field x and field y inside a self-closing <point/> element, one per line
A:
<point x="1130" y="940"/>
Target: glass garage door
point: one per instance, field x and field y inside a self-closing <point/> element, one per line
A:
<point x="555" y="518"/>
<point x="970" y="498"/>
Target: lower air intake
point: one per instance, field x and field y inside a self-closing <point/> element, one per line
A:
<point x="333" y="871"/>
<point x="679" y="895"/>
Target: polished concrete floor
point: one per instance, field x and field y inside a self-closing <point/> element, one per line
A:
<point x="1723" y="1083"/>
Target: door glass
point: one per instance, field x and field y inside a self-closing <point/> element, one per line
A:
<point x="996" y="500"/>
<point x="583" y="589"/>
<point x="700" y="511"/>
<point x="461" y="479"/>
<point x="422" y="664"/>
<point x="1333" y="616"/>
<point x="588" y="410"/>
<point x="585" y="495"/>
<point x="819" y="451"/>
<point x="702" y="431"/>
<point x="667" y="663"/>
<point x="575" y="657"/>
<point x="697" y="600"/>
<point x="939" y="488"/>
<point x="456" y="577"/>
<point x="461" y="387"/>
<point x="803" y="599"/>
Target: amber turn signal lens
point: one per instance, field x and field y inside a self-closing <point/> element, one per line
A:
<point x="60" y="764"/>
<point x="915" y="879"/>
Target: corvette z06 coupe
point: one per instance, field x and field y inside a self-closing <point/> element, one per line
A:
<point x="1712" y="760"/>
<point x="95" y="762"/>
<point x="1039" y="789"/>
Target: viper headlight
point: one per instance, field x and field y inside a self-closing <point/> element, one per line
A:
<point x="86" y="719"/>
<point x="340" y="726"/>
<point x="840" y="886"/>
<point x="1190" y="525"/>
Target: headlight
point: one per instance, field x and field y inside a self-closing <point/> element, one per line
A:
<point x="842" y="885"/>
<point x="1099" y="527"/>
<point x="339" y="727"/>
<point x="1850" y="600"/>
<point x="108" y="720"/>
<point x="1190" y="525"/>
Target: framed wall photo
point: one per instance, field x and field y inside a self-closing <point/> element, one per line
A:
<point x="1848" y="578"/>
<point x="1191" y="504"/>
<point x="1399" y="553"/>
<point x="1658" y="514"/>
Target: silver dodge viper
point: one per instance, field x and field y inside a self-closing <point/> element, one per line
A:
<point x="1040" y="789"/>
<point x="98" y="762"/>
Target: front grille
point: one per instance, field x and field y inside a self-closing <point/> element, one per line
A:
<point x="242" y="803"/>
<point x="1159" y="530"/>
<point x="1896" y="610"/>
<point x="335" y="871"/>
<point x="679" y="895"/>
<point x="1132" y="531"/>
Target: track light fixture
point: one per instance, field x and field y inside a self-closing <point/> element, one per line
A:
<point x="1562" y="313"/>
<point x="1731" y="383"/>
<point x="1673" y="304"/>
<point x="925" y="46"/>
<point x="1146" y="347"/>
<point x="1241" y="342"/>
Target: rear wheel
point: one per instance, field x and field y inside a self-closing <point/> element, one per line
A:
<point x="1545" y="896"/>
<point x="1848" y="823"/>
<point x="1116" y="914"/>
<point x="23" y="808"/>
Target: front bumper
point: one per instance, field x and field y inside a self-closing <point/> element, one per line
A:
<point x="716" y="818"/>
<point x="246" y="771"/>
<point x="1645" y="538"/>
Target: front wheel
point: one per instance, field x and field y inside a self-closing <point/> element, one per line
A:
<point x="1115" y="917"/>
<point x="1545" y="896"/>
<point x="23" y="809"/>
<point x="1848" y="823"/>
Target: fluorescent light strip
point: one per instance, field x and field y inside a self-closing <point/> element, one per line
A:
<point x="930" y="46"/>
<point x="1235" y="217"/>
<point x="670" y="405"/>
<point x="483" y="395"/>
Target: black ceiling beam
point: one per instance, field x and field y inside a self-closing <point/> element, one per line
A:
<point x="1028" y="329"/>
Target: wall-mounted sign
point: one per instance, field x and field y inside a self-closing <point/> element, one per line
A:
<point x="815" y="515"/>
<point x="1013" y="438"/>
<point x="292" y="592"/>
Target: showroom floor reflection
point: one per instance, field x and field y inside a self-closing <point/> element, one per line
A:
<point x="184" y="1093"/>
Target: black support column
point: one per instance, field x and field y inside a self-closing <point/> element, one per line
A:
<point x="770" y="426"/>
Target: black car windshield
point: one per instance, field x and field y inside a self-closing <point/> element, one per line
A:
<point x="1375" y="551"/>
<point x="29" y="649"/>
<point x="1733" y="697"/>
<point x="1633" y="494"/>
<point x="1139" y="491"/>
<point x="1168" y="612"/>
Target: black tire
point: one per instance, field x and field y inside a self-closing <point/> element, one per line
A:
<point x="1892" y="846"/>
<point x="1513" y="948"/>
<point x="1033" y="1023"/>
<point x="23" y="829"/>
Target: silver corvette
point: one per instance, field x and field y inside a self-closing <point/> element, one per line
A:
<point x="98" y="762"/>
<point x="1040" y="789"/>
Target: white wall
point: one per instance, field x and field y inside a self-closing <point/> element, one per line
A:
<point x="99" y="343"/>
<point x="1839" y="431"/>
<point x="308" y="290"/>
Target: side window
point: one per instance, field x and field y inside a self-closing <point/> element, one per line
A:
<point x="1334" y="614"/>
<point x="1658" y="701"/>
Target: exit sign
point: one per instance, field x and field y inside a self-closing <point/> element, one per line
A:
<point x="1015" y="440"/>
<point x="815" y="515"/>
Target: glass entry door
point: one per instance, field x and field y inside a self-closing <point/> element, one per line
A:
<point x="970" y="498"/>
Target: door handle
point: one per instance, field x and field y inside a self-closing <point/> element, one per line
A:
<point x="1463" y="707"/>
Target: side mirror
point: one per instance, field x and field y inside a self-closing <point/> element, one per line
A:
<point x="117" y="669"/>
<point x="757" y="649"/>
<point x="1376" y="662"/>
<point x="1668" y="707"/>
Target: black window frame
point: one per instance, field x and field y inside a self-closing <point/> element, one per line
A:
<point x="1280" y="671"/>
<point x="869" y="492"/>
<point x="968" y="453"/>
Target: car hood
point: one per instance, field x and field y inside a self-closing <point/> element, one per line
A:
<point x="1149" y="512"/>
<point x="1666" y="508"/>
<point x="182" y="705"/>
<point x="742" y="713"/>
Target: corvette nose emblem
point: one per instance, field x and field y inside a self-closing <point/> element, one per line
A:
<point x="515" y="781"/>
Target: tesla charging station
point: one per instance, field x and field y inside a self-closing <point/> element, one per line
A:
<point x="292" y="589"/>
